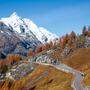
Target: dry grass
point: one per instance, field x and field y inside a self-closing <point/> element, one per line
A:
<point x="79" y="58"/>
<point x="86" y="70"/>
<point x="86" y="80"/>
<point x="81" y="61"/>
<point x="54" y="79"/>
<point x="43" y="78"/>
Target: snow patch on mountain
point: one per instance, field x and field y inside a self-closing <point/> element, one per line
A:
<point x="24" y="27"/>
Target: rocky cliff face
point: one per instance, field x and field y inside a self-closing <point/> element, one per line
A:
<point x="17" y="35"/>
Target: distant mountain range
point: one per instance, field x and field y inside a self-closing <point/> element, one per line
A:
<point x="17" y="35"/>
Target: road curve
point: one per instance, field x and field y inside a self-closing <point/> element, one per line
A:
<point x="76" y="84"/>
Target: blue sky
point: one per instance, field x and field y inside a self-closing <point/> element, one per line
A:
<point x="58" y="16"/>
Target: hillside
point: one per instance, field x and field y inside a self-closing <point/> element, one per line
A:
<point x="28" y="63"/>
<point x="43" y="78"/>
<point x="26" y="27"/>
<point x="18" y="35"/>
<point x="79" y="58"/>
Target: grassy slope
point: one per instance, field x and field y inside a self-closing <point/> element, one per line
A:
<point x="80" y="60"/>
<point x="52" y="80"/>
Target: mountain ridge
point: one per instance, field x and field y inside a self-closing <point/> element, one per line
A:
<point x="24" y="26"/>
<point x="22" y="33"/>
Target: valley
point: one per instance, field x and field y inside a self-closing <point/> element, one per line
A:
<point x="32" y="58"/>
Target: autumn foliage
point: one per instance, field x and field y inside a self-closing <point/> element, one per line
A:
<point x="1" y="63"/>
<point x="30" y="52"/>
<point x="13" y="58"/>
<point x="43" y="47"/>
<point x="85" y="31"/>
<point x="39" y="49"/>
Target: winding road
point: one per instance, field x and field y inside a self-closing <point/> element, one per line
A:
<point x="76" y="84"/>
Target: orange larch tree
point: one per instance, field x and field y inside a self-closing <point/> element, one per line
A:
<point x="13" y="58"/>
<point x="51" y="44"/>
<point x="64" y="40"/>
<point x="30" y="52"/>
<point x="72" y="35"/>
<point x="38" y="49"/>
<point x="47" y="46"/>
<point x="10" y="58"/>
<point x="43" y="47"/>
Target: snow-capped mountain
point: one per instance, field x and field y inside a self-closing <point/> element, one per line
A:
<point x="17" y="35"/>
<point x="24" y="26"/>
